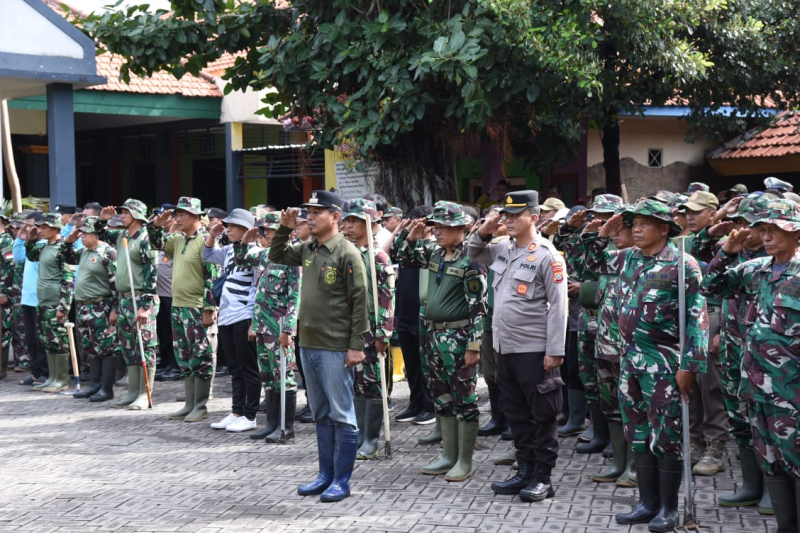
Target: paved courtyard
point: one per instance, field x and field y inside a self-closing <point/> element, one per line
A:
<point x="73" y="466"/>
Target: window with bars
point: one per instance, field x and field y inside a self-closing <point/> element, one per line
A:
<point x="654" y="157"/>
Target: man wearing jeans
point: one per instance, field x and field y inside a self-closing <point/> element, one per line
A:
<point x="332" y="324"/>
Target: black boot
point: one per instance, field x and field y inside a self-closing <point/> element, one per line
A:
<point x="291" y="407"/>
<point x="782" y="488"/>
<point x="108" y="375"/>
<point x="647" y="508"/>
<point x="540" y="486"/>
<point x="95" y="369"/>
<point x="498" y="423"/>
<point x="507" y="434"/>
<point x="600" y="437"/>
<point x="273" y="412"/>
<point x="515" y="484"/>
<point x="669" y="484"/>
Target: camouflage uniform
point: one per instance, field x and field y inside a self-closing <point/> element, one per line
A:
<point x="463" y="285"/>
<point x="144" y="265"/>
<point x="648" y="328"/>
<point x="6" y="284"/>
<point x="277" y="297"/>
<point x="770" y="317"/>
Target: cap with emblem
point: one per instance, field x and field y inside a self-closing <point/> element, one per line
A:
<point x="696" y="186"/>
<point x="360" y="208"/>
<point x="190" y="205"/>
<point x="519" y="201"/>
<point x="270" y="220"/>
<point x="739" y="188"/>
<point x="700" y="200"/>
<point x="65" y="209"/>
<point x="448" y="214"/>
<point x="606" y="203"/>
<point x="752" y="207"/>
<point x="552" y="204"/>
<point x="137" y="208"/>
<point x="326" y="199"/>
<point x="665" y="197"/>
<point x="393" y="212"/>
<point x="240" y="217"/>
<point x="652" y="209"/>
<point x="52" y="220"/>
<point x="782" y="213"/>
<point x="89" y="225"/>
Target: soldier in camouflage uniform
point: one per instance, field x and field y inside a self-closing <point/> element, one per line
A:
<point x="95" y="300"/>
<point x="277" y="298"/>
<point x="770" y="286"/>
<point x="18" y="341"/>
<point x="654" y="374"/>
<point x="368" y="399"/>
<point x="456" y="307"/>
<point x="193" y="303"/>
<point x="54" y="290"/>
<point x="6" y="284"/>
<point x="144" y="267"/>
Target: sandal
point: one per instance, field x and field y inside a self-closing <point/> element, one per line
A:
<point x="27" y="382"/>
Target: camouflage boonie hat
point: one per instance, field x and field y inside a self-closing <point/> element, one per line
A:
<point x="137" y="208"/>
<point x="360" y="208"/>
<point x="393" y="212"/>
<point x="89" y="225"/>
<point x="653" y="209"/>
<point x="606" y="203"/>
<point x="52" y="220"/>
<point x="6" y="218"/>
<point x="448" y="214"/>
<point x="270" y="221"/>
<point x="782" y="213"/>
<point x="752" y="207"/>
<point x="17" y="219"/>
<point x="696" y="186"/>
<point x="190" y="205"/>
<point x="665" y="197"/>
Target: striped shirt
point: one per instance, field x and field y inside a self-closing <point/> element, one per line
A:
<point x="239" y="290"/>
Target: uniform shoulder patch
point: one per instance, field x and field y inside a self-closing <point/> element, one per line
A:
<point x="474" y="285"/>
<point x="558" y="271"/>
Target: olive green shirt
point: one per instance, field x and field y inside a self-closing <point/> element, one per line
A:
<point x="333" y="291"/>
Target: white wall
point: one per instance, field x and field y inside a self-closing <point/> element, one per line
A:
<point x="638" y="134"/>
<point x="23" y="30"/>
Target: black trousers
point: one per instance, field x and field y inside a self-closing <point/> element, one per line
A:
<point x="164" y="332"/>
<point x="38" y="358"/>
<point x="420" y="398"/>
<point x="531" y="400"/>
<point x="570" y="372"/>
<point x="243" y="366"/>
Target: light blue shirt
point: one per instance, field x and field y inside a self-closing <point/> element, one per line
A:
<point x="30" y="276"/>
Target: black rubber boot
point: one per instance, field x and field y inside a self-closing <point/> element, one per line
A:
<point x="273" y="412"/>
<point x="577" y="414"/>
<point x="669" y="484"/>
<point x="647" y="508"/>
<point x="95" y="369"/>
<point x="515" y="484"/>
<point x="360" y="404"/>
<point x="782" y="489"/>
<point x="291" y="407"/>
<point x="600" y="437"/>
<point x="108" y="376"/>
<point x="498" y="423"/>
<point x="752" y="488"/>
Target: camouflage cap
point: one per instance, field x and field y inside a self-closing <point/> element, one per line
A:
<point x="137" y="208"/>
<point x="393" y="212"/>
<point x="606" y="203"/>
<point x="190" y="205"/>
<point x="677" y="200"/>
<point x="270" y="220"/>
<point x="782" y="213"/>
<point x="653" y="209"/>
<point x="52" y="220"/>
<point x="696" y="186"/>
<point x="360" y="208"/>
<point x="448" y="214"/>
<point x="665" y="197"/>
<point x="700" y="200"/>
<point x="5" y="218"/>
<point x="89" y="225"/>
<point x="17" y="219"/>
<point x="752" y="207"/>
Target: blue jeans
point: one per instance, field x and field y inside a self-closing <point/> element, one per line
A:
<point x="329" y="386"/>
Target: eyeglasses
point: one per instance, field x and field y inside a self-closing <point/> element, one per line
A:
<point x="439" y="273"/>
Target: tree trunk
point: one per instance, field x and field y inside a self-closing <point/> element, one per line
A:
<point x="611" y="157"/>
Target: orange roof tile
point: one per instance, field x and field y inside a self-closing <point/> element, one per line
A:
<point x="781" y="138"/>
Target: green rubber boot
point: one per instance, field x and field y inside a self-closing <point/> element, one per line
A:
<point x="372" y="426"/>
<point x="3" y="362"/>
<point x="435" y="436"/>
<point x="188" y="388"/>
<point x="51" y="373"/>
<point x="134" y="375"/>
<point x="628" y="478"/>
<point x="141" y="401"/>
<point x="618" y="461"/>
<point x="202" y="390"/>
<point x="61" y="380"/>
<point x="467" y="436"/>
<point x="449" y="456"/>
<point x="752" y="488"/>
<point x="765" y="505"/>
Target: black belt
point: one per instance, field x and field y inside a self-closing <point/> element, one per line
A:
<point x="451" y="325"/>
<point x="713" y="309"/>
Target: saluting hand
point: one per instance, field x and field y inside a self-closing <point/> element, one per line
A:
<point x="577" y="219"/>
<point x="729" y="208"/>
<point x="735" y="243"/>
<point x="23" y="232"/>
<point x="108" y="212"/>
<point x="721" y="229"/>
<point x="612" y="226"/>
<point x="250" y="236"/>
<point x="289" y="218"/>
<point x="216" y="229"/>
<point x="592" y="226"/>
<point x="417" y="230"/>
<point x="33" y="234"/>
<point x="490" y="225"/>
<point x="73" y="236"/>
<point x="551" y="227"/>
<point x="163" y="219"/>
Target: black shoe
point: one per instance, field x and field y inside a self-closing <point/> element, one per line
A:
<point x="600" y="436"/>
<point x="305" y="415"/>
<point x="424" y="418"/>
<point x="408" y="415"/>
<point x="273" y="410"/>
<point x="537" y="491"/>
<point x="507" y="434"/>
<point x="492" y="427"/>
<point x="222" y="371"/>
<point x="514" y="485"/>
<point x="497" y="423"/>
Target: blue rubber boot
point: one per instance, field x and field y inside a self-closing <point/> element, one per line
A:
<point x="325" y="449"/>
<point x="343" y="462"/>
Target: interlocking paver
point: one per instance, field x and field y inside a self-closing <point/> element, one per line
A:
<point x="70" y="465"/>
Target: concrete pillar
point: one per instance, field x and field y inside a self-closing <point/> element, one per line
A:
<point x="234" y="188"/>
<point x="61" y="142"/>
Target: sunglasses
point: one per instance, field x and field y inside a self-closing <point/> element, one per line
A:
<point x="439" y="273"/>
